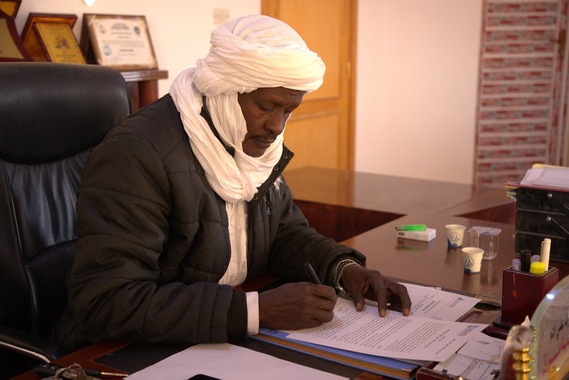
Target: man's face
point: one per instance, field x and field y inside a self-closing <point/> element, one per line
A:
<point x="266" y="111"/>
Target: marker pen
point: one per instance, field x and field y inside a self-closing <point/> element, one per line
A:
<point x="537" y="268"/>
<point x="516" y="265"/>
<point x="525" y="258"/>
<point x="545" y="249"/>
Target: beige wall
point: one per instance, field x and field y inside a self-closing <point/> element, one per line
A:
<point x="417" y="72"/>
<point x="416" y="89"/>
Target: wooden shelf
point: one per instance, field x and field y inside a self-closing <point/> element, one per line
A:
<point x="143" y="85"/>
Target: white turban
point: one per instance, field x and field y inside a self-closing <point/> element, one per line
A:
<point x="257" y="51"/>
<point x="248" y="53"/>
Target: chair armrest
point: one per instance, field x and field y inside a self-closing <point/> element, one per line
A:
<point x="30" y="346"/>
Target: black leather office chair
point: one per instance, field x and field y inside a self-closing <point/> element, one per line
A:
<point x="51" y="116"/>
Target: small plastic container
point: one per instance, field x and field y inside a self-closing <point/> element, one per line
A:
<point x="486" y="238"/>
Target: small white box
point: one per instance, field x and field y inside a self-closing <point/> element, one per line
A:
<point x="427" y="235"/>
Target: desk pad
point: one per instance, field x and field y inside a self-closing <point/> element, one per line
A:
<point x="135" y="357"/>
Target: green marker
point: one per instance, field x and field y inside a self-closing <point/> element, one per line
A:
<point x="411" y="227"/>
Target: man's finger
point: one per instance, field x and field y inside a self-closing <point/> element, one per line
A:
<point x="359" y="301"/>
<point x="404" y="299"/>
<point x="381" y="295"/>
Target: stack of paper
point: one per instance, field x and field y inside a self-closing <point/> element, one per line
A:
<point x="394" y="345"/>
<point x="547" y="176"/>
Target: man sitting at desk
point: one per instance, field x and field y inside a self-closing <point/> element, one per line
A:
<point x="184" y="201"/>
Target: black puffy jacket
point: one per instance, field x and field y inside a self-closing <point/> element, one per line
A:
<point x="154" y="241"/>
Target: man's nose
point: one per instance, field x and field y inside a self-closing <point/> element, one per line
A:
<point x="276" y="124"/>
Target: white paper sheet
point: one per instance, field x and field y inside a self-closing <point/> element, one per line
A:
<point x="227" y="362"/>
<point x="483" y="347"/>
<point x="479" y="358"/>
<point x="438" y="304"/>
<point x="468" y="368"/>
<point x="394" y="336"/>
<point x="547" y="176"/>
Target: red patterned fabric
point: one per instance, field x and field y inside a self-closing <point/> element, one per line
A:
<point x="520" y="89"/>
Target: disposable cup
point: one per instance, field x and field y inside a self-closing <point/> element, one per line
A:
<point x="472" y="259"/>
<point x="455" y="235"/>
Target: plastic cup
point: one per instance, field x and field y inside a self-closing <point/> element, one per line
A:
<point x="486" y="238"/>
<point x="455" y="235"/>
<point x="472" y="259"/>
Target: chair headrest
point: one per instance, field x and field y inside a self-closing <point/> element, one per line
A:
<point x="49" y="111"/>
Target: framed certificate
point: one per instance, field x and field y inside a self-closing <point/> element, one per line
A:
<point x="11" y="47"/>
<point x="49" y="37"/>
<point x="121" y="42"/>
<point x="10" y="7"/>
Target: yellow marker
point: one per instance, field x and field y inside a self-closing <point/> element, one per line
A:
<point x="537" y="267"/>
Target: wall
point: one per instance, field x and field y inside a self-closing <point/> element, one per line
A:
<point x="179" y="29"/>
<point x="417" y="72"/>
<point x="416" y="90"/>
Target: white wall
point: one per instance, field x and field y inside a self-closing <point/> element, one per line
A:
<point x="417" y="72"/>
<point x="179" y="29"/>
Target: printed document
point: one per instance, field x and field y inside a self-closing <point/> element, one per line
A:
<point x="479" y="358"/>
<point x="429" y="333"/>
<point x="438" y="304"/>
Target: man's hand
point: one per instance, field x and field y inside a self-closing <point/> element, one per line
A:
<point x="363" y="283"/>
<point x="296" y="306"/>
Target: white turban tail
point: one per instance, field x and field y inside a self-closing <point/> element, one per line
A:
<point x="246" y="54"/>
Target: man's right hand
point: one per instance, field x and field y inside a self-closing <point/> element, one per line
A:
<point x="296" y="306"/>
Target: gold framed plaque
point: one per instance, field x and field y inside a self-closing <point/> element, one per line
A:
<point x="49" y="37"/>
<point x="10" y="7"/>
<point x="11" y="47"/>
<point x="119" y="41"/>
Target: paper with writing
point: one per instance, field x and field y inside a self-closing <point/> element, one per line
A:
<point x="395" y="336"/>
<point x="438" y="304"/>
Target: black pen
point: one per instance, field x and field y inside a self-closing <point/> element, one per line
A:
<point x="526" y="260"/>
<point x="311" y="273"/>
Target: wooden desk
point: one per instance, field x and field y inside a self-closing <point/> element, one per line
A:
<point x="428" y="263"/>
<point x="392" y="194"/>
<point x="363" y="209"/>
<point x="342" y="204"/>
<point x="434" y="263"/>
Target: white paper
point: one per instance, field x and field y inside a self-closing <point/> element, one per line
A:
<point x="483" y="347"/>
<point x="227" y="362"/>
<point x="479" y="358"/>
<point x="394" y="336"/>
<point x="547" y="176"/>
<point x="468" y="368"/>
<point x="438" y="304"/>
<point x="435" y="303"/>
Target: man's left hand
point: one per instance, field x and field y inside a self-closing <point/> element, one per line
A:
<point x="363" y="283"/>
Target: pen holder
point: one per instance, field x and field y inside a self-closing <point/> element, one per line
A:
<point x="522" y="292"/>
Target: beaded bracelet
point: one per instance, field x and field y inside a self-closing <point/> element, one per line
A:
<point x="339" y="270"/>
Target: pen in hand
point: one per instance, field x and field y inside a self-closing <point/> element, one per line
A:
<point x="311" y="273"/>
<point x="314" y="278"/>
